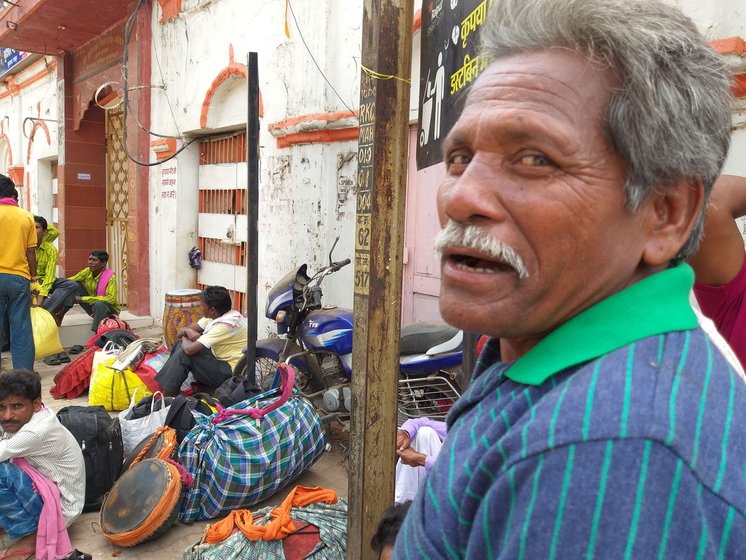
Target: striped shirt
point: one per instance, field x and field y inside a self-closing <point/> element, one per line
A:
<point x="53" y="451"/>
<point x="91" y="284"/>
<point x="617" y="436"/>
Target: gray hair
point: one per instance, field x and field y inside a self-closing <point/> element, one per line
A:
<point x="669" y="118"/>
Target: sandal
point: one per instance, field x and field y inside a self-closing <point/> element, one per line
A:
<point x="77" y="349"/>
<point x="53" y="360"/>
<point x="64" y="358"/>
<point x="77" y="555"/>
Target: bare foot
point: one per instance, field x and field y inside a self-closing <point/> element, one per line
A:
<point x="23" y="548"/>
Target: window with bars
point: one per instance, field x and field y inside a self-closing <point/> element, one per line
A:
<point x="238" y="298"/>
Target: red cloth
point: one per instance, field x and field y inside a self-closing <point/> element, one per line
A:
<point x="75" y="377"/>
<point x="726" y="306"/>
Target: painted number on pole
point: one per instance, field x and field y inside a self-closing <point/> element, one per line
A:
<point x="365" y="183"/>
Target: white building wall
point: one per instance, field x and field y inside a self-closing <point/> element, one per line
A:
<point x="305" y="196"/>
<point x="37" y="100"/>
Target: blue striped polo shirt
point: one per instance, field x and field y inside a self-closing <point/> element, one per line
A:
<point x="619" y="435"/>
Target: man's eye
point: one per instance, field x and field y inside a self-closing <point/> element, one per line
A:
<point x="458" y="159"/>
<point x="535" y="160"/>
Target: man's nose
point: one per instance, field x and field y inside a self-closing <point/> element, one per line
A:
<point x="472" y="195"/>
<point x="6" y="414"/>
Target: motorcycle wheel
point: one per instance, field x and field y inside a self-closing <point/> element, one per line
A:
<point x="266" y="366"/>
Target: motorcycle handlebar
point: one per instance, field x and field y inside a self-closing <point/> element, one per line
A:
<point x="337" y="265"/>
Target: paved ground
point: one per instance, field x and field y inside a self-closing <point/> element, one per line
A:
<point x="330" y="472"/>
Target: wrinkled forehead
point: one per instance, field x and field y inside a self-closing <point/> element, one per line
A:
<point x="561" y="77"/>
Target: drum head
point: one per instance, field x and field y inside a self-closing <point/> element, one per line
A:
<point x="135" y="495"/>
<point x="183" y="292"/>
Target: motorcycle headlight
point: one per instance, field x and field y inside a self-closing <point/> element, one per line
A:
<point x="280" y="317"/>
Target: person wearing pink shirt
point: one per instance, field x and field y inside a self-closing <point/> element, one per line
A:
<point x="719" y="264"/>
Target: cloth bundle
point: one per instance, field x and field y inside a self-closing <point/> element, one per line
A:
<point x="267" y="533"/>
<point x="242" y="455"/>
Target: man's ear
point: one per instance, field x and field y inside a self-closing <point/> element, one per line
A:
<point x="37" y="404"/>
<point x="672" y="213"/>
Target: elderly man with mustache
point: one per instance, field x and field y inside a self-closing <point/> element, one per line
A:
<point x="600" y="421"/>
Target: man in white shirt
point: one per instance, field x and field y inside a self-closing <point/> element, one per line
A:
<point x="32" y="435"/>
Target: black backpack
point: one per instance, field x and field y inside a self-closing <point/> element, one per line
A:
<point x="180" y="414"/>
<point x="235" y="390"/>
<point x="100" y="440"/>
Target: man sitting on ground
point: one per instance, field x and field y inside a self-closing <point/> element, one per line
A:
<point x="94" y="288"/>
<point x="208" y="349"/>
<point x="418" y="443"/>
<point x="42" y="473"/>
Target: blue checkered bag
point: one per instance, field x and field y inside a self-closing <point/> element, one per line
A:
<point x="245" y="454"/>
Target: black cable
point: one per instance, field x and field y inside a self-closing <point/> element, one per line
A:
<point x="125" y="74"/>
<point x="314" y="60"/>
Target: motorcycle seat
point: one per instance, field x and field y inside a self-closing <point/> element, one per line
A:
<point x="421" y="337"/>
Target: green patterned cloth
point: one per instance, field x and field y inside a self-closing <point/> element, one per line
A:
<point x="331" y="519"/>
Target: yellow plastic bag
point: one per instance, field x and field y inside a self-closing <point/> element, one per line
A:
<point x="46" y="334"/>
<point x="113" y="389"/>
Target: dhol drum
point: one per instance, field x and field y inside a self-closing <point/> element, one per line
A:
<point x="160" y="445"/>
<point x="142" y="504"/>
<point x="182" y="309"/>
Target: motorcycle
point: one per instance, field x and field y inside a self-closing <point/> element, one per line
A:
<point x="317" y="341"/>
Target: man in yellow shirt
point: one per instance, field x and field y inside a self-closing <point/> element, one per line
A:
<point x="17" y="269"/>
<point x="208" y="349"/>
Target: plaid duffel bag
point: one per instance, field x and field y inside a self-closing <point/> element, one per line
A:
<point x="244" y="454"/>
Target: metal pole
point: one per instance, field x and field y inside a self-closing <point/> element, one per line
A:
<point x="379" y="245"/>
<point x="252" y="211"/>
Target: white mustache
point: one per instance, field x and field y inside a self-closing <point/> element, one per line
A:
<point x="475" y="237"/>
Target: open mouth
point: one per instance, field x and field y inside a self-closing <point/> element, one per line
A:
<point x="476" y="264"/>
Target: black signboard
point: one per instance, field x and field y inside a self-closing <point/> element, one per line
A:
<point x="449" y="62"/>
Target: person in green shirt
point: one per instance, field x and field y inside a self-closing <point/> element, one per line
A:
<point x="95" y="290"/>
<point x="46" y="258"/>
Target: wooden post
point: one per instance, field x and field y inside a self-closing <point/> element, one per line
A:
<point x="379" y="244"/>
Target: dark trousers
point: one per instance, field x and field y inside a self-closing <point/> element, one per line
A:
<point x="63" y="291"/>
<point x="61" y="294"/>
<point x="204" y="366"/>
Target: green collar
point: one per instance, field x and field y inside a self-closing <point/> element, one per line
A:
<point x="654" y="305"/>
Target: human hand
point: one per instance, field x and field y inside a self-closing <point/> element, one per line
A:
<point x="412" y="457"/>
<point x="191" y="334"/>
<point x="77" y="299"/>
<point x="402" y="440"/>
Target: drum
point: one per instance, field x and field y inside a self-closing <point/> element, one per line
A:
<point x="142" y="504"/>
<point x="182" y="309"/>
<point x="161" y="445"/>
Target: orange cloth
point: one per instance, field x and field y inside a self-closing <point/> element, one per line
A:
<point x="281" y="525"/>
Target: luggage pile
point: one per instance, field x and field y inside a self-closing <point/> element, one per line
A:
<point x="194" y="460"/>
<point x="111" y="379"/>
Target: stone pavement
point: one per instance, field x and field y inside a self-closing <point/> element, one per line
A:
<point x="329" y="471"/>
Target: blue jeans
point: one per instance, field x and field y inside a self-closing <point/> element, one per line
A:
<point x="20" y="506"/>
<point x="15" y="298"/>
